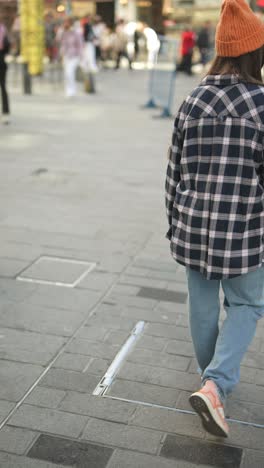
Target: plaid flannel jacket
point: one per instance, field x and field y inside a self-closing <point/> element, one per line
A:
<point x="215" y="179"/>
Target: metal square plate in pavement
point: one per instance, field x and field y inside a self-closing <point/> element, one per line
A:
<point x="69" y="452"/>
<point x="56" y="271"/>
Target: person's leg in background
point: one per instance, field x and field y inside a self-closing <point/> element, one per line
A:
<point x="118" y="58"/>
<point x="127" y="56"/>
<point x="204" y="310"/>
<point x="70" y="66"/>
<point x="188" y="63"/>
<point x="5" y="100"/>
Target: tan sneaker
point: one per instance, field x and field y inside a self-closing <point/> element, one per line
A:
<point x="207" y="404"/>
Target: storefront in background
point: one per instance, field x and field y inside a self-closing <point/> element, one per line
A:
<point x="145" y="11"/>
<point x="180" y="12"/>
<point x="80" y="8"/>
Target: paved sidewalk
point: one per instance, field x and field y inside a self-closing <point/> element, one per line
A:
<point x="82" y="188"/>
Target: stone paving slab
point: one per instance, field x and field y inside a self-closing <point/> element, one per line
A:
<point x="40" y="319"/>
<point x="91" y="348"/>
<point x="168" y="421"/>
<point x="142" y="281"/>
<point x="252" y="458"/>
<point x="49" y="420"/>
<point x="10" y="268"/>
<point x="16" y="378"/>
<point x="103" y="408"/>
<point x="171" y="332"/>
<point x="63" y="298"/>
<point x="69" y="380"/>
<point x="121" y="435"/>
<point x="15" y="291"/>
<point x="98" y="281"/>
<point x="159" y="376"/>
<point x="126" y="459"/>
<point x="18" y="345"/>
<point x="147" y="393"/>
<point x="243" y="436"/>
<point x="16" y="440"/>
<point x="98" y="366"/>
<point x="74" y="362"/>
<point x="112" y="320"/>
<point x="5" y="408"/>
<point x="215" y="455"/>
<point x="117" y="337"/>
<point x="15" y="251"/>
<point x="159" y="359"/>
<point x="131" y="301"/>
<point x="70" y="453"/>
<point x="13" y="461"/>
<point x="93" y="333"/>
<point x="46" y="397"/>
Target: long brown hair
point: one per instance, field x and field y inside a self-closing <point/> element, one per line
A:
<point x="247" y="67"/>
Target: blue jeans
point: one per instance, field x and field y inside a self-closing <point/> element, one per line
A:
<point x="220" y="352"/>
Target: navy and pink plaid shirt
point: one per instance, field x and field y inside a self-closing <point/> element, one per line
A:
<point x="215" y="179"/>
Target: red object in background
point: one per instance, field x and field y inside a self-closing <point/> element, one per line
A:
<point x="260" y="3"/>
<point x="188" y="42"/>
<point x="168" y="23"/>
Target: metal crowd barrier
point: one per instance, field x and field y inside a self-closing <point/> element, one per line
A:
<point x="162" y="77"/>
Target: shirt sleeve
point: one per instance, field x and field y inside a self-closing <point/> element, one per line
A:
<point x="173" y="175"/>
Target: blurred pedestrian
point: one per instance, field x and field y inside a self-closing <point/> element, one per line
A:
<point x="4" y="49"/>
<point x="89" y="64"/>
<point x="136" y="43"/>
<point x="50" y="37"/>
<point x="106" y="44"/>
<point x="98" y="29"/>
<point x="153" y="45"/>
<point x="214" y="199"/>
<point x="120" y="42"/>
<point x="204" y="43"/>
<point x="16" y="35"/>
<point x="129" y="30"/>
<point x="187" y="47"/>
<point x="71" y="46"/>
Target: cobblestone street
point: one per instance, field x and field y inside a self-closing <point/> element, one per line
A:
<point x="83" y="259"/>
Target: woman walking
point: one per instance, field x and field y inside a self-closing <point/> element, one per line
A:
<point x="4" y="49"/>
<point x="215" y="206"/>
<point x="71" y="49"/>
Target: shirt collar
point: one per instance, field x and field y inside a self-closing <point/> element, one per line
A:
<point x="220" y="80"/>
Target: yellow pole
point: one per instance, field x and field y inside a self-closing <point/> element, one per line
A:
<point x="32" y="35"/>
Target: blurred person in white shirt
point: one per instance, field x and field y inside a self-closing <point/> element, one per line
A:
<point x="71" y="46"/>
<point x="153" y="45"/>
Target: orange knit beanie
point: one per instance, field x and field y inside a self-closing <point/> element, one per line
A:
<point x="239" y="30"/>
